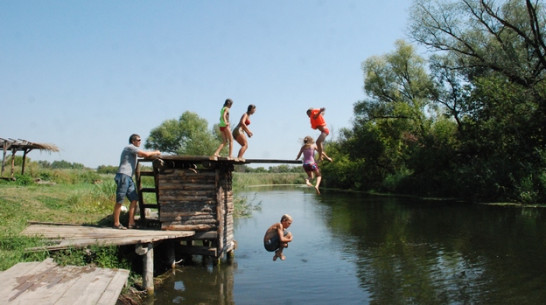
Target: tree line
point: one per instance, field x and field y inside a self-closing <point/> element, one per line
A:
<point x="467" y="122"/>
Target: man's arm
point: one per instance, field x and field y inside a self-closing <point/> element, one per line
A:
<point x="148" y="154"/>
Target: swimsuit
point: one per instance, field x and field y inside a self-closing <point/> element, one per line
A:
<point x="274" y="242"/>
<point x="239" y="129"/>
<point x="222" y="122"/>
<point x="309" y="164"/>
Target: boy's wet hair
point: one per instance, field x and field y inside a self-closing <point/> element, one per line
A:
<point x="286" y="217"/>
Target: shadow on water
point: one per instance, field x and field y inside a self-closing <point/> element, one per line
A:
<point x="352" y="248"/>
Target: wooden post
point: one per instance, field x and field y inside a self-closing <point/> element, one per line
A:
<point x="26" y="151"/>
<point x="147" y="251"/>
<point x="4" y="149"/>
<point x="12" y="162"/>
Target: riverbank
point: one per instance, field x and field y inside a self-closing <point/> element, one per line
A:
<point x="82" y="197"/>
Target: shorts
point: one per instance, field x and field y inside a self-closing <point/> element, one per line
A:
<point x="125" y="187"/>
<point x="274" y="243"/>
<point x="223" y="128"/>
<point x="310" y="167"/>
<point x="326" y="131"/>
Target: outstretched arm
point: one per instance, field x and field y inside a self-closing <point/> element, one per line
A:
<point x="148" y="154"/>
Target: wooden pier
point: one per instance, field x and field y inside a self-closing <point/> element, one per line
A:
<point x="47" y="283"/>
<point x="194" y="203"/>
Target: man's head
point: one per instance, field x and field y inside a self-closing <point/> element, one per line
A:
<point x="135" y="139"/>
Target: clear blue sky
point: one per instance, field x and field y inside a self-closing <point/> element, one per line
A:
<point x="84" y="75"/>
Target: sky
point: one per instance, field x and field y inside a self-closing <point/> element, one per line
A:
<point x="85" y="75"/>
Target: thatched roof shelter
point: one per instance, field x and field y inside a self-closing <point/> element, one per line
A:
<point x="24" y="146"/>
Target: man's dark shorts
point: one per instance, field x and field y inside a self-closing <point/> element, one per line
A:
<point x="273" y="243"/>
<point x="125" y="187"/>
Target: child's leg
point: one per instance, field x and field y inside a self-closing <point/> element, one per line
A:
<point x="309" y="177"/>
<point x="319" y="178"/>
<point x="327" y="157"/>
<point x="229" y="139"/>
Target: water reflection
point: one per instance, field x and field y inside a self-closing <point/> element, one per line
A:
<point x="355" y="249"/>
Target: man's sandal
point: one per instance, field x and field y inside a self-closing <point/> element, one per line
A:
<point x="120" y="227"/>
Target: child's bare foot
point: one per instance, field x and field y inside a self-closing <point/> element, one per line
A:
<point x="277" y="255"/>
<point x="316" y="189"/>
<point x="307" y="182"/>
<point x="282" y="257"/>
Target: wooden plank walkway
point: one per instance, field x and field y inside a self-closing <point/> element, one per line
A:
<point x="65" y="236"/>
<point x="47" y="283"/>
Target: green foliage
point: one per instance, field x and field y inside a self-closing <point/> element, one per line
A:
<point x="23" y="179"/>
<point x="189" y="135"/>
<point x="100" y="256"/>
<point x="470" y="126"/>
<point x="107" y="169"/>
<point x="242" y="180"/>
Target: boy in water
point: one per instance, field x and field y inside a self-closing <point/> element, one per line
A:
<point x="276" y="238"/>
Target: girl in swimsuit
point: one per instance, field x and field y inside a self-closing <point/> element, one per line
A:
<point x="242" y="128"/>
<point x="309" y="165"/>
<point x="224" y="129"/>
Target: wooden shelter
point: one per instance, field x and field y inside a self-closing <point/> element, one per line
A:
<point x="24" y="146"/>
<point x="193" y="194"/>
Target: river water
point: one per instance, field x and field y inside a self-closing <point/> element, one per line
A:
<point x="352" y="248"/>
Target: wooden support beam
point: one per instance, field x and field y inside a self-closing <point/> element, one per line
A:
<point x="147" y="251"/>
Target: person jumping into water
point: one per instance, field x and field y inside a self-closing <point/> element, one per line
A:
<point x="318" y="122"/>
<point x="277" y="237"/>
<point x="309" y="165"/>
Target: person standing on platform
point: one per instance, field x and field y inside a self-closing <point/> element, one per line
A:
<point x="317" y="122"/>
<point x="125" y="186"/>
<point x="242" y="128"/>
<point x="225" y="130"/>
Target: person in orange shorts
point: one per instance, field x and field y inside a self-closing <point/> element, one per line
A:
<point x="318" y="122"/>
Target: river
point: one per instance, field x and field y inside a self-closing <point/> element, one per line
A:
<point x="352" y="248"/>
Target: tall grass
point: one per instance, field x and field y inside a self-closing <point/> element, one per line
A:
<point x="242" y="180"/>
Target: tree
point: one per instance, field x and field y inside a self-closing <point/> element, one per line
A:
<point x="508" y="39"/>
<point x="391" y="126"/>
<point x="490" y="70"/>
<point x="189" y="135"/>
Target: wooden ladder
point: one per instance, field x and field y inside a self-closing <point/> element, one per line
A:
<point x="142" y="190"/>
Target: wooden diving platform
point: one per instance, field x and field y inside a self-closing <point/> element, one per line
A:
<point x="64" y="236"/>
<point x="47" y="283"/>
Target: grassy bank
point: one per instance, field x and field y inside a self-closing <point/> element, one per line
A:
<point x="82" y="197"/>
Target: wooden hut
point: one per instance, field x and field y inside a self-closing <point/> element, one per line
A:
<point x="193" y="194"/>
<point x="24" y="146"/>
